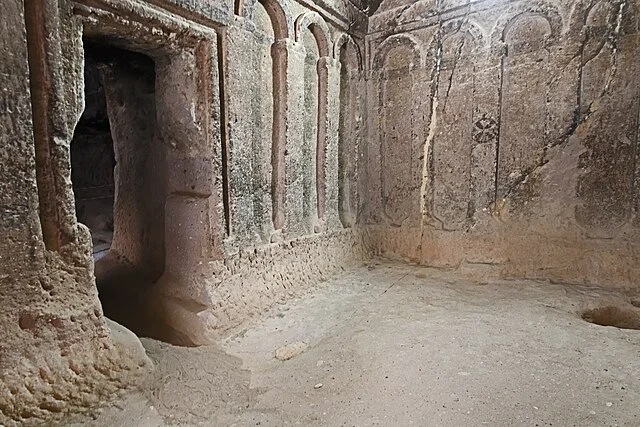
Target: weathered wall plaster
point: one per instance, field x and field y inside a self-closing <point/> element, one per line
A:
<point x="505" y="134"/>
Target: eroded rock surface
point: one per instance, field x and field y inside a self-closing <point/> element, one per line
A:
<point x="229" y="155"/>
<point x="214" y="179"/>
<point x="503" y="130"/>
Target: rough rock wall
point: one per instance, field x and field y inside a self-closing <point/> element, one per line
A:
<point x="505" y="134"/>
<point x="283" y="103"/>
<point x="56" y="351"/>
<point x="253" y="151"/>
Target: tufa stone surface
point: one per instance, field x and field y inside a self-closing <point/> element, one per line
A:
<point x="250" y="149"/>
<point x="199" y="141"/>
<point x="505" y="134"/>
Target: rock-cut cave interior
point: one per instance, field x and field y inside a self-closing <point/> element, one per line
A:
<point x="320" y="212"/>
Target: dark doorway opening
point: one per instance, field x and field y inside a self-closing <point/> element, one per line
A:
<point x="119" y="180"/>
<point x="93" y="161"/>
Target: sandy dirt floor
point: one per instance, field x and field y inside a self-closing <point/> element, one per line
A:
<point x="399" y="345"/>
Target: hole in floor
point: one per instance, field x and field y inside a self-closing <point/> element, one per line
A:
<point x="619" y="317"/>
<point x="119" y="180"/>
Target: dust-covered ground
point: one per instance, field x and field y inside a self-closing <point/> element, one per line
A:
<point x="398" y="345"/>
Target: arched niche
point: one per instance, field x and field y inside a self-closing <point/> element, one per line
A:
<point x="340" y="42"/>
<point x="399" y="58"/>
<point x="598" y="23"/>
<point x="513" y="16"/>
<point x="279" y="15"/>
<point x="526" y="58"/>
<point x="278" y="18"/>
<point x="451" y="202"/>
<point x="313" y="33"/>
<point x="313" y="22"/>
<point x="269" y="110"/>
<point x="415" y="58"/>
<point x="346" y="51"/>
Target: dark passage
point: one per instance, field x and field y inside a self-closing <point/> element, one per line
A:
<point x="119" y="181"/>
<point x="93" y="161"/>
